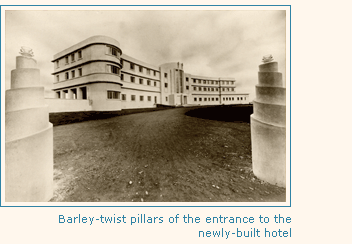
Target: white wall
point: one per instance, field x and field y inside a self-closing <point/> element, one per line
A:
<point x="57" y="105"/>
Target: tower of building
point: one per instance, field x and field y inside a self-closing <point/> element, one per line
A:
<point x="268" y="125"/>
<point x="28" y="135"/>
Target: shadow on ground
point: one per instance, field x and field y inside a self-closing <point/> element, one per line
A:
<point x="228" y="113"/>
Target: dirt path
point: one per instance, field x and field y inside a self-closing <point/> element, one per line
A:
<point x="157" y="156"/>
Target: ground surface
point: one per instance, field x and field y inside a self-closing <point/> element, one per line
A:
<point x="161" y="156"/>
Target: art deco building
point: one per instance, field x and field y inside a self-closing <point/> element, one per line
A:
<point x="94" y="75"/>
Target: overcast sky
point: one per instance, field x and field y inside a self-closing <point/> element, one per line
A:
<point x="208" y="43"/>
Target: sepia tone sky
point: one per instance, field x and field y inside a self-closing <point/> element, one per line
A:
<point x="209" y="43"/>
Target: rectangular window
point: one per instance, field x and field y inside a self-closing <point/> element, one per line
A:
<point x="194" y="88"/>
<point x="66" y="59"/>
<point x="217" y="99"/>
<point x="149" y="98"/>
<point x="187" y="87"/>
<point x="166" y="99"/>
<point x="200" y="99"/>
<point x="79" y="54"/>
<point x="204" y="82"/>
<point x="241" y="98"/>
<point x="132" y="79"/>
<point x="223" y="99"/>
<point x="148" y="71"/>
<point x="123" y="97"/>
<point x="72" y="57"/>
<point x="195" y="99"/>
<point x="238" y="98"/>
<point x="154" y="83"/>
<point x="154" y="73"/>
<point x="232" y="98"/>
<point x="205" y="99"/>
<point x="212" y="82"/>
<point x="57" y="78"/>
<point x="155" y="99"/>
<point x="217" y="89"/>
<point x="122" y="77"/>
<point x="199" y="81"/>
<point x="66" y="76"/>
<point x="72" y="74"/>
<point x="204" y="88"/>
<point x="80" y="72"/>
<point x="113" y="51"/>
<point x="148" y="82"/>
<point x="165" y="85"/>
<point x="132" y="66"/>
<point x="232" y="82"/>
<point x="165" y="75"/>
<point x="141" y="69"/>
<point x="133" y="97"/>
<point x="57" y="64"/>
<point x="212" y="99"/>
<point x="113" y="95"/>
<point x="194" y="81"/>
<point x="141" y="98"/>
<point x="141" y="81"/>
<point x="186" y="78"/>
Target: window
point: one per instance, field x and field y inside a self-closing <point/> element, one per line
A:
<point x="148" y="71"/>
<point x="194" y="81"/>
<point x="72" y="57"/>
<point x="165" y="75"/>
<point x="187" y="87"/>
<point x="212" y="89"/>
<point x="132" y="66"/>
<point x="122" y="77"/>
<point x="200" y="99"/>
<point x="141" y="69"/>
<point x="113" y="95"/>
<point x="216" y="82"/>
<point x="194" y="88"/>
<point x="133" y="97"/>
<point x="132" y="79"/>
<point x="232" y="89"/>
<point x="80" y="72"/>
<point x="195" y="99"/>
<point x="204" y="88"/>
<point x="186" y="78"/>
<point x="217" y="99"/>
<point x="155" y="99"/>
<point x="57" y="63"/>
<point x="66" y="60"/>
<point x="165" y="85"/>
<point x="148" y="82"/>
<point x="216" y="89"/>
<point x="113" y="51"/>
<point x="72" y="74"/>
<point x="154" y="83"/>
<point x="199" y="81"/>
<point x="212" y="99"/>
<point x="204" y="82"/>
<point x="57" y="78"/>
<point x="123" y="96"/>
<point x="244" y="98"/>
<point x="238" y="98"/>
<point x="241" y="98"/>
<point x="154" y="73"/>
<point x="227" y="82"/>
<point x="149" y="98"/>
<point x="223" y="99"/>
<point x="66" y="76"/>
<point x="141" y="98"/>
<point x="113" y="69"/>
<point x="212" y="82"/>
<point x="79" y="54"/>
<point x="141" y="81"/>
<point x="232" y="82"/>
<point x="166" y="99"/>
<point x="205" y="99"/>
<point x="232" y="98"/>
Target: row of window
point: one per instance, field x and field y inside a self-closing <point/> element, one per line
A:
<point x="140" y="68"/>
<point x="212" y="82"/>
<point x="217" y="99"/>
<point x="113" y="51"/>
<point x="72" y="56"/>
<point x="141" y="98"/>
<point x="141" y="81"/>
<point x="71" y="74"/>
<point x="195" y="88"/>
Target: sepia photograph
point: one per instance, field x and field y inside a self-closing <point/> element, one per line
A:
<point x="161" y="106"/>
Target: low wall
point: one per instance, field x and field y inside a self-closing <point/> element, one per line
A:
<point x="67" y="105"/>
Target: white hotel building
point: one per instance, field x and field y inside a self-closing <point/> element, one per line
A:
<point x="94" y="75"/>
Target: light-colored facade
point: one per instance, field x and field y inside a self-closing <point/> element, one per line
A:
<point x="96" y="72"/>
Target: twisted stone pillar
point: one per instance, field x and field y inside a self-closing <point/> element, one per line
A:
<point x="268" y="126"/>
<point x="28" y="136"/>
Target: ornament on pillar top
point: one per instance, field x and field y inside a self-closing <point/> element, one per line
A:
<point x="26" y="52"/>
<point x="268" y="58"/>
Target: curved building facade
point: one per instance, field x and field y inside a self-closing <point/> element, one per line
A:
<point x="96" y="72"/>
